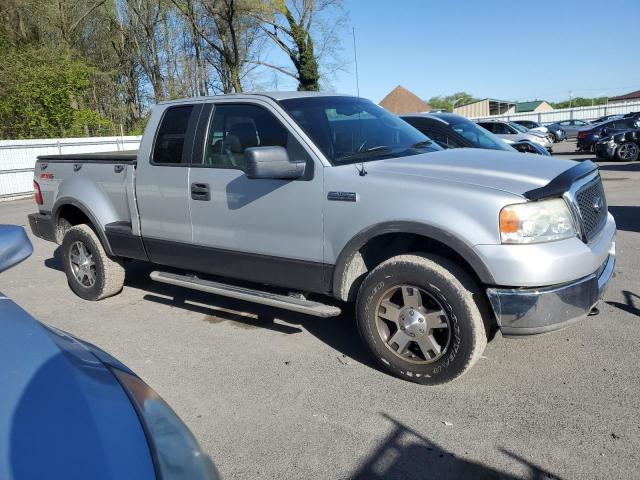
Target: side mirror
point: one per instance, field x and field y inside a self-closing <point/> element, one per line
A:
<point x="272" y="163"/>
<point x="14" y="246"/>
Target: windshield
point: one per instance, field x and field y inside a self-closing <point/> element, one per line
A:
<point x="480" y="137"/>
<point x="519" y="127"/>
<point x="349" y="130"/>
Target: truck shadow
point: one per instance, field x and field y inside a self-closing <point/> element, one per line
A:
<point x="340" y="333"/>
<point x="405" y="454"/>
<point x="627" y="217"/>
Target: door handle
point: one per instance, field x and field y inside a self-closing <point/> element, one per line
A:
<point x="200" y="191"/>
<point x="118" y="168"/>
<point x="77" y="166"/>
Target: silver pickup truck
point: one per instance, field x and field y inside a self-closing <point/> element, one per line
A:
<point x="283" y="198"/>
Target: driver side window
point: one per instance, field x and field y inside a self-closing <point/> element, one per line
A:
<point x="234" y="128"/>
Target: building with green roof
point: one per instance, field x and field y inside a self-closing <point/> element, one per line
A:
<point x="535" y="106"/>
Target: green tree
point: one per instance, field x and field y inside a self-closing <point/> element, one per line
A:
<point x="580" y="102"/>
<point x="40" y="96"/>
<point x="449" y="102"/>
<point x="292" y="25"/>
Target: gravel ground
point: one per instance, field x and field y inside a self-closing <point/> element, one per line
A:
<point x="280" y="395"/>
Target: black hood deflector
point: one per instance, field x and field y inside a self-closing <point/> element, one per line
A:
<point x="559" y="185"/>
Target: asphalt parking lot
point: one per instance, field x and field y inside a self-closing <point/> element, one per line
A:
<point x="271" y="394"/>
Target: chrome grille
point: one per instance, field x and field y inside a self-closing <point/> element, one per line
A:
<point x="592" y="205"/>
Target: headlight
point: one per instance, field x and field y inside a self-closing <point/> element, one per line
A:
<point x="611" y="143"/>
<point x="175" y="451"/>
<point x="536" y="222"/>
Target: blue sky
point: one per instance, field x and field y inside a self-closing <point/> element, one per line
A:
<point x="511" y="50"/>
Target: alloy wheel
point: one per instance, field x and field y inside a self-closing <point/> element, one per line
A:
<point x="628" y="151"/>
<point x="82" y="264"/>
<point x="413" y="324"/>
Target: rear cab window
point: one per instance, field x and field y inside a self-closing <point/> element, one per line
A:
<point x="174" y="138"/>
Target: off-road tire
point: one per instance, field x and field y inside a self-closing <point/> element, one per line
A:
<point x="109" y="271"/>
<point x="460" y="298"/>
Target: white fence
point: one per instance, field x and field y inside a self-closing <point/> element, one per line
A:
<point x="18" y="157"/>
<point x="578" y="113"/>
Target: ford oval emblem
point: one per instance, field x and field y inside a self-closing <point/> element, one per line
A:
<point x="598" y="204"/>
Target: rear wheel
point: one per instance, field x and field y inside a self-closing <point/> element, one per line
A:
<point x="628" y="152"/>
<point x="420" y="316"/>
<point x="91" y="273"/>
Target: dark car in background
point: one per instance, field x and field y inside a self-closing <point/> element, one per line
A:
<point x="570" y="127"/>
<point x="623" y="146"/>
<point x="606" y="117"/>
<point x="556" y="133"/>
<point x="70" y="410"/>
<point x="588" y="137"/>
<point x="455" y="131"/>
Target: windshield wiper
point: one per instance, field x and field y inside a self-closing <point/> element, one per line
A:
<point x="364" y="153"/>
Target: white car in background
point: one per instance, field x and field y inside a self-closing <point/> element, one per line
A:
<point x="516" y="133"/>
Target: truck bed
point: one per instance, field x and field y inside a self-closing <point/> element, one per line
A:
<point x="104" y="180"/>
<point x="122" y="156"/>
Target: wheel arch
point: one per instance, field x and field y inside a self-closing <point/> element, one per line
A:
<point x="364" y="251"/>
<point x="75" y="211"/>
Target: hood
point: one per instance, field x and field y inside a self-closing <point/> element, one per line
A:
<point x="62" y="412"/>
<point x="511" y="172"/>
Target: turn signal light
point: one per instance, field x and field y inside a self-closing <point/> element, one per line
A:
<point x="509" y="221"/>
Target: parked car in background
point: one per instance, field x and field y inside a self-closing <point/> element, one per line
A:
<point x="623" y="146"/>
<point x="515" y="133"/>
<point x="524" y="146"/>
<point x="533" y="126"/>
<point x="605" y="118"/>
<point x="634" y="115"/>
<point x="333" y="195"/>
<point x="455" y="131"/>
<point x="557" y="134"/>
<point x="570" y="127"/>
<point x="588" y="136"/>
<point x="70" y="410"/>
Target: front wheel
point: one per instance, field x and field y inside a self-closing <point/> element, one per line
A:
<point x="421" y="318"/>
<point x="91" y="273"/>
<point x="628" y="152"/>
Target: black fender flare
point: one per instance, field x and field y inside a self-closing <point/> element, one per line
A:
<point x="63" y="201"/>
<point x="443" y="236"/>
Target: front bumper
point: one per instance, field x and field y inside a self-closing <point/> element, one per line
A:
<point x="605" y="152"/>
<point x="42" y="226"/>
<point x="560" y="135"/>
<point x="529" y="311"/>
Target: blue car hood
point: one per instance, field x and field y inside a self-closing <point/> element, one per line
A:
<point x="62" y="412"/>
